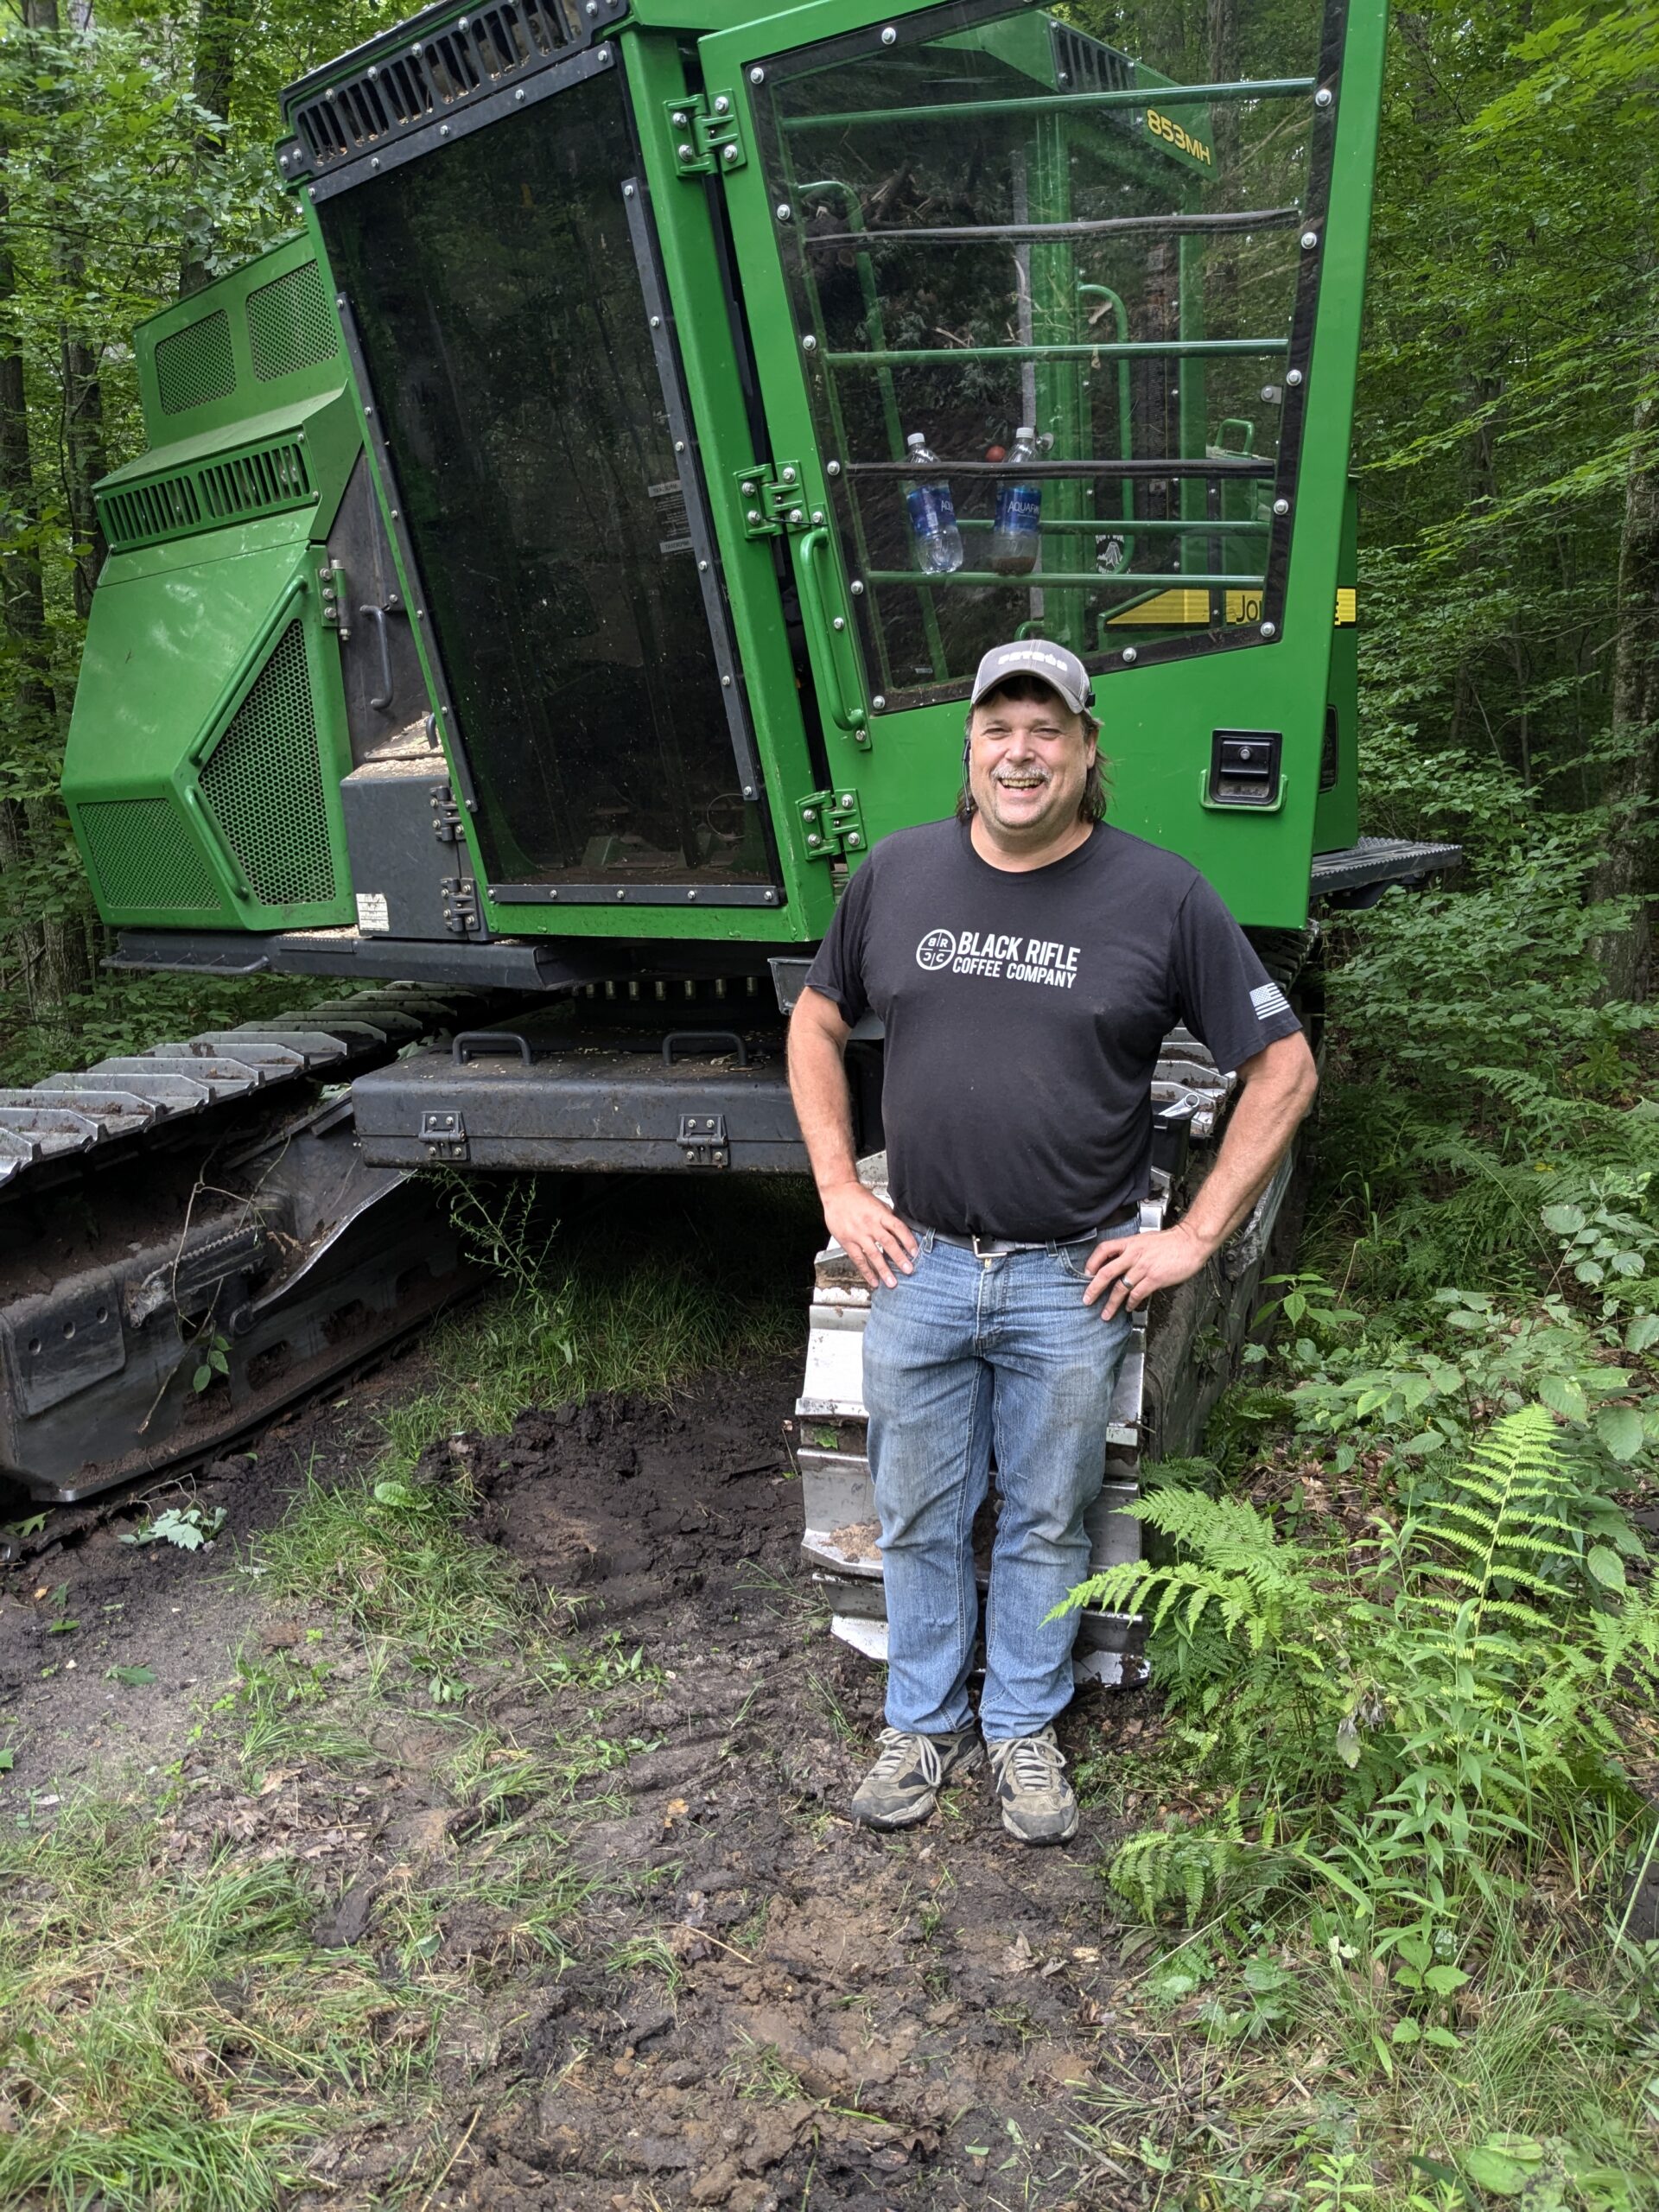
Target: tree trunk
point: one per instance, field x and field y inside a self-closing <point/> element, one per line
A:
<point x="85" y="458"/>
<point x="218" y="26"/>
<point x="33" y="716"/>
<point x="1629" y="864"/>
<point x="56" y="956"/>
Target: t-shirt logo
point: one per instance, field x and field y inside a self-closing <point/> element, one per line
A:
<point x="936" y="949"/>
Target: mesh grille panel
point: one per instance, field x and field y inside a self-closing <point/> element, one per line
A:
<point x="195" y="363"/>
<point x="144" y="856"/>
<point x="264" y="784"/>
<point x="289" y="324"/>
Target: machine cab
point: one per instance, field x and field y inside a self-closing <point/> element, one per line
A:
<point x="640" y="585"/>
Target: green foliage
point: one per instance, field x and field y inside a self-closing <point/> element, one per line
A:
<point x="190" y="1527"/>
<point x="1415" y="1719"/>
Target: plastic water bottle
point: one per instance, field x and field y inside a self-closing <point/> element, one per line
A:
<point x="1016" y="538"/>
<point x="933" y="514"/>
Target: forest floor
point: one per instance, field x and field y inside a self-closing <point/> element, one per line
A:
<point x="572" y="1913"/>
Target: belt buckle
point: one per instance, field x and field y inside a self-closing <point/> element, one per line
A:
<point x="983" y="1257"/>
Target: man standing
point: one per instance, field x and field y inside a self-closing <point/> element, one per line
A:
<point x="1027" y="961"/>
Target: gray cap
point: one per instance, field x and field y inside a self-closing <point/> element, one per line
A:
<point x="1036" y="656"/>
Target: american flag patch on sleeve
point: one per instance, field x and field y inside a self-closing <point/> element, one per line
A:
<point x="1268" y="999"/>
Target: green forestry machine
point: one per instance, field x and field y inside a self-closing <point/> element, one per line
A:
<point x="519" y="617"/>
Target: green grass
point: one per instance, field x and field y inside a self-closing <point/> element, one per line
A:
<point x="651" y="1281"/>
<point x="399" y="1564"/>
<point x="176" y="2043"/>
<point x="283" y="1708"/>
<point x="665" y="1281"/>
<point x="168" y="2044"/>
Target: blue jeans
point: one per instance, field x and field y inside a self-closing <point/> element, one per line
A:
<point x="964" y="1360"/>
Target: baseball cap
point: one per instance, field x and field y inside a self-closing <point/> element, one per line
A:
<point x="1036" y="656"/>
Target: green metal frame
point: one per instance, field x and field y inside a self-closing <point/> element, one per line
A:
<point x="688" y="248"/>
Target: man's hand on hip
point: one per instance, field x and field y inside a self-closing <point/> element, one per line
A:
<point x="868" y="1231"/>
<point x="1124" y="1271"/>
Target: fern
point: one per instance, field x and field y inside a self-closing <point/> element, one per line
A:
<point x="1235" y="1563"/>
<point x="1501" y="1521"/>
<point x="1424" y="1714"/>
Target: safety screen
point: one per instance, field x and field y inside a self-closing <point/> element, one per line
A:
<point x="497" y="286"/>
<point x="991" y="220"/>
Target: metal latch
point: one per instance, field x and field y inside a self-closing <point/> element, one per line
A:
<point x="772" y="500"/>
<point x="703" y="1139"/>
<point x="833" y="821"/>
<point x="444" y="1136"/>
<point x="460" y="904"/>
<point x="706" y="135"/>
<point x="446" y="815"/>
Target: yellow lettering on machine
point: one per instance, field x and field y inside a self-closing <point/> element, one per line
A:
<point x="1347" y="605"/>
<point x="1174" y="134"/>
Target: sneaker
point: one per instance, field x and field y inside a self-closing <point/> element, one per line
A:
<point x="904" y="1785"/>
<point x="1039" y="1804"/>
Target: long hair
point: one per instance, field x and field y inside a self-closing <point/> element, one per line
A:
<point x="1032" y="690"/>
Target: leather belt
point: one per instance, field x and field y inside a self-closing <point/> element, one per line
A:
<point x="996" y="1248"/>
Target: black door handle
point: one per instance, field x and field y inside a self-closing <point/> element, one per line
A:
<point x="377" y="615"/>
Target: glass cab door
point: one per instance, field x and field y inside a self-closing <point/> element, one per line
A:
<point x="976" y="221"/>
<point x="503" y="295"/>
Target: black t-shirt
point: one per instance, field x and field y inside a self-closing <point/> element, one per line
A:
<point x="1024" y="1011"/>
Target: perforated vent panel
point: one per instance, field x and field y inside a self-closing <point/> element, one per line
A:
<point x="289" y="324"/>
<point x="257" y="483"/>
<point x="263" y="782"/>
<point x="167" y="508"/>
<point x="144" y="857"/>
<point x="195" y="364"/>
<point x="262" y="481"/>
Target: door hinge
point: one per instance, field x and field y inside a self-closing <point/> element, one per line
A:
<point x="332" y="595"/>
<point x="771" y="500"/>
<point x="703" y="1141"/>
<point x="707" y="136"/>
<point x="833" y="821"/>
<point x="446" y="815"/>
<point x="460" y="904"/>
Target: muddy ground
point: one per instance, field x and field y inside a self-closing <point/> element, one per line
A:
<point x="744" y="2001"/>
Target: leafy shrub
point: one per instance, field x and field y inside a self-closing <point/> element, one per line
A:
<point x="1416" y="1719"/>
